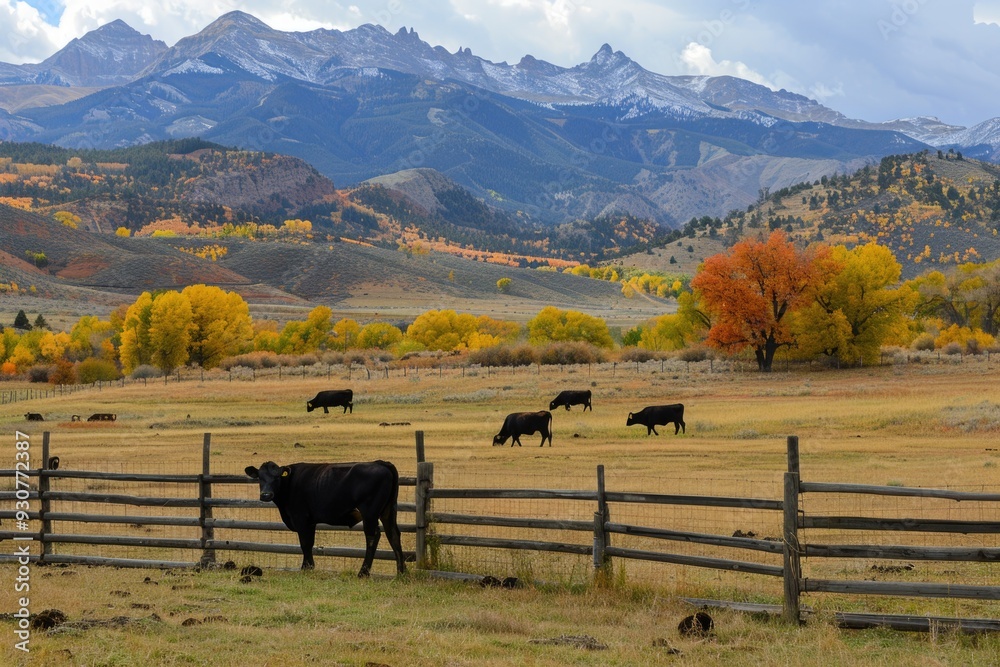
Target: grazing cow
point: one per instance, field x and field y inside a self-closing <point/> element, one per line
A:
<point x="33" y="417"/>
<point x="334" y="398"/>
<point x="102" y="417"/>
<point x="659" y="415"/>
<point x="570" y="397"/>
<point x="75" y="418"/>
<point x="339" y="494"/>
<point x="525" y="423"/>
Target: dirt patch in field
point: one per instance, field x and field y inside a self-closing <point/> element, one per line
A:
<point x="83" y="267"/>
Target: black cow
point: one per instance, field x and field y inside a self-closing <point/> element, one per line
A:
<point x="102" y="417"/>
<point x="334" y="398"/>
<point x="659" y="415"/>
<point x="525" y="423"/>
<point x="33" y="417"/>
<point x="570" y="397"/>
<point x="339" y="494"/>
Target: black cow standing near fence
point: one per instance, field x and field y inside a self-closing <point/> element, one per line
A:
<point x="338" y="494"/>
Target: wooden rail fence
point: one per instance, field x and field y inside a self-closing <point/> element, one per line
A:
<point x="430" y="526"/>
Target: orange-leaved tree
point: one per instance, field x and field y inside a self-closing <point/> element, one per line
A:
<point x="751" y="290"/>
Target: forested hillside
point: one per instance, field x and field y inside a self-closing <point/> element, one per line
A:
<point x="931" y="209"/>
<point x="198" y="189"/>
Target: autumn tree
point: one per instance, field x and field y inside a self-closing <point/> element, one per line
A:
<point x="345" y="333"/>
<point x="67" y="218"/>
<point x="552" y="325"/>
<point x="90" y="336"/>
<point x="667" y="332"/>
<point x="135" y="349"/>
<point x="220" y="324"/>
<point x="447" y="330"/>
<point x="170" y="325"/>
<point x="750" y="291"/>
<point x="857" y="306"/>
<point x="379" y="336"/>
<point x="967" y="295"/>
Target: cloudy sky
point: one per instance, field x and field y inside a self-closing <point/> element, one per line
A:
<point x="870" y="59"/>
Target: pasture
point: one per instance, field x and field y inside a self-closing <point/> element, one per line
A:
<point x="920" y="424"/>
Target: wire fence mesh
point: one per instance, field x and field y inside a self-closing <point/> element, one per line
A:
<point x="563" y="553"/>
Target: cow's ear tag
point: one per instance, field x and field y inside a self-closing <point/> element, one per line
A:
<point x="284" y="473"/>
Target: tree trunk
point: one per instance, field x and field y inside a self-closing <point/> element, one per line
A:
<point x="765" y="354"/>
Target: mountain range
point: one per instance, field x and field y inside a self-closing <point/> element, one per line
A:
<point x="545" y="142"/>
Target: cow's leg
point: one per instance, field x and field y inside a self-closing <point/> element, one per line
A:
<point x="653" y="429"/>
<point x="351" y="406"/>
<point x="392" y="533"/>
<point x="307" y="537"/>
<point x="326" y="410"/>
<point x="516" y="439"/>
<point x="372" y="534"/>
<point x="677" y="427"/>
<point x="683" y="428"/>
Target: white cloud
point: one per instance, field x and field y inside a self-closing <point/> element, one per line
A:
<point x="698" y="60"/>
<point x="987" y="11"/>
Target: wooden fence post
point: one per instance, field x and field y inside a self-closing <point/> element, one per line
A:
<point x="792" y="567"/>
<point x="44" y="504"/>
<point x="422" y="498"/>
<point x="204" y="511"/>
<point x="602" y="561"/>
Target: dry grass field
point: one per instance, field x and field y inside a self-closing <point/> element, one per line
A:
<point x="932" y="424"/>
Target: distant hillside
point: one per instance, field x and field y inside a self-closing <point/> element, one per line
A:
<point x="42" y="252"/>
<point x="80" y="271"/>
<point x="192" y="187"/>
<point x="932" y="209"/>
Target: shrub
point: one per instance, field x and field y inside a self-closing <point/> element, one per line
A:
<point x="285" y="360"/>
<point x="63" y="373"/>
<point x="504" y="355"/>
<point x="639" y="354"/>
<point x="690" y="354"/>
<point x="333" y="358"/>
<point x="253" y="360"/>
<point x="571" y="353"/>
<point x="355" y="358"/>
<point x="39" y="373"/>
<point x="952" y="348"/>
<point x="92" y="370"/>
<point x="145" y="372"/>
<point x="923" y="343"/>
<point x="307" y="360"/>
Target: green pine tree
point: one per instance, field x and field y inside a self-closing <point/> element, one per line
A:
<point x="21" y="321"/>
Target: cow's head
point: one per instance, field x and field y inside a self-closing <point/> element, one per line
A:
<point x="309" y="406"/>
<point x="631" y="419"/>
<point x="553" y="405"/>
<point x="270" y="475"/>
<point x="499" y="439"/>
